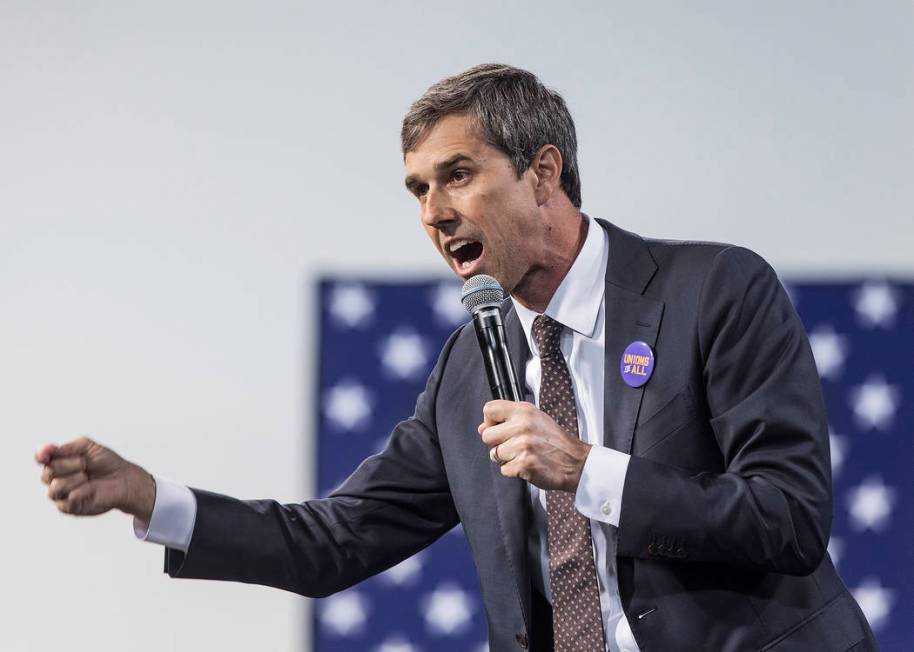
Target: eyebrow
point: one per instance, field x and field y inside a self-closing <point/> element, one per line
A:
<point x="411" y="181"/>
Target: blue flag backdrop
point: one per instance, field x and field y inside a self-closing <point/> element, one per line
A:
<point x="378" y="341"/>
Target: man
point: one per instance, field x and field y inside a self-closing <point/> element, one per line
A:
<point x="669" y="490"/>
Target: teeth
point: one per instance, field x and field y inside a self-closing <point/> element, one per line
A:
<point x="457" y="244"/>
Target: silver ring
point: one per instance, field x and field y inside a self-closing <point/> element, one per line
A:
<point x="493" y="455"/>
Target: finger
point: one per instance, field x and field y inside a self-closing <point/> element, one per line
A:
<point x="60" y="487"/>
<point x="76" y="447"/>
<point x="515" y="469"/>
<point x="62" y="466"/>
<point x="44" y="454"/>
<point x="499" y="433"/>
<point x="78" y="501"/>
<point x="514" y="447"/>
<point x="497" y="411"/>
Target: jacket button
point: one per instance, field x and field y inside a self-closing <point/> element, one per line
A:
<point x="521" y="640"/>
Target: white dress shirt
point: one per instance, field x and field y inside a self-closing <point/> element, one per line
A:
<point x="579" y="305"/>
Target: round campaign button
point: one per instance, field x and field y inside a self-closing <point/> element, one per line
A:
<point x="637" y="364"/>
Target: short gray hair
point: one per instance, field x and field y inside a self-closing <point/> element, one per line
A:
<point x="513" y="112"/>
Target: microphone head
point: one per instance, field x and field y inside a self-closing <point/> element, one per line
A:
<point x="480" y="291"/>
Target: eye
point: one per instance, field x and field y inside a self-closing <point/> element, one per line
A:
<point x="460" y="175"/>
<point x="420" y="191"/>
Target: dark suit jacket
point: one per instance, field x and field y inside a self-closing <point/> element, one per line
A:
<point x="726" y="508"/>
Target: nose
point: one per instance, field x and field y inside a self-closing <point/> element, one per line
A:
<point x="437" y="211"/>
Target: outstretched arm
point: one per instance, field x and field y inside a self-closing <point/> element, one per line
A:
<point x="393" y="505"/>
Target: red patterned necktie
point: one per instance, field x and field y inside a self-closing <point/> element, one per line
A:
<point x="577" y="621"/>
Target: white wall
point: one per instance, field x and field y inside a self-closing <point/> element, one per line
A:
<point x="174" y="175"/>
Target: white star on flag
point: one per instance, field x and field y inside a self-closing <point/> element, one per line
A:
<point x="838" y="445"/>
<point x="835" y="549"/>
<point x="344" y="614"/>
<point x="870" y="504"/>
<point x="445" y="300"/>
<point x="403" y="354"/>
<point x="395" y="643"/>
<point x="351" y="304"/>
<point x="830" y="350"/>
<point x="447" y="610"/>
<point x="874" y="403"/>
<point x="875" y="601"/>
<point x="406" y="572"/>
<point x="876" y="304"/>
<point x="348" y="405"/>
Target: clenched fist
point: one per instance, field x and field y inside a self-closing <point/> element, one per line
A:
<point x="85" y="478"/>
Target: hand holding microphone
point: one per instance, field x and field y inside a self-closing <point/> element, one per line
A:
<point x="525" y="441"/>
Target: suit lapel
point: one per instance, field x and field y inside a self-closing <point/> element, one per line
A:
<point x="510" y="493"/>
<point x="630" y="316"/>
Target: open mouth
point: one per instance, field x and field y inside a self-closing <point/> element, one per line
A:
<point x="465" y="253"/>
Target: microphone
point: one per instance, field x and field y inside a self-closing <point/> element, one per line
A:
<point x="482" y="297"/>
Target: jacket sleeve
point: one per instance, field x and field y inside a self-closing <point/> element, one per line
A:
<point x="393" y="505"/>
<point x="771" y="508"/>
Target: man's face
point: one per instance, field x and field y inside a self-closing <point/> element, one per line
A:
<point x="479" y="215"/>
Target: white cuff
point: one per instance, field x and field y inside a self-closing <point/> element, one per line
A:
<point x="599" y="494"/>
<point x="173" y="516"/>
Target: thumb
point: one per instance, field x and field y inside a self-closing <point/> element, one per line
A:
<point x="46" y="453"/>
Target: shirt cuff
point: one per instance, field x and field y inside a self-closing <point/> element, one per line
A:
<point x="173" y="516"/>
<point x="599" y="494"/>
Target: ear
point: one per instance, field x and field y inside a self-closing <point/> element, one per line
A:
<point x="547" y="172"/>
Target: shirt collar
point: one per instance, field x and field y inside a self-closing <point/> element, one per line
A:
<point x="576" y="302"/>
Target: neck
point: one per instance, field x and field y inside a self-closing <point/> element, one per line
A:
<point x="562" y="244"/>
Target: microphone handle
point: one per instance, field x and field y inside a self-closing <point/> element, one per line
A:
<point x="491" y="335"/>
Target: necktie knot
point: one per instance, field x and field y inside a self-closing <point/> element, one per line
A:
<point x="547" y="334"/>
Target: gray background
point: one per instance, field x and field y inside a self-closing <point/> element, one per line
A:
<point x="174" y="175"/>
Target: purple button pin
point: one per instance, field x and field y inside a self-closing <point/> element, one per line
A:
<point x="637" y="364"/>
